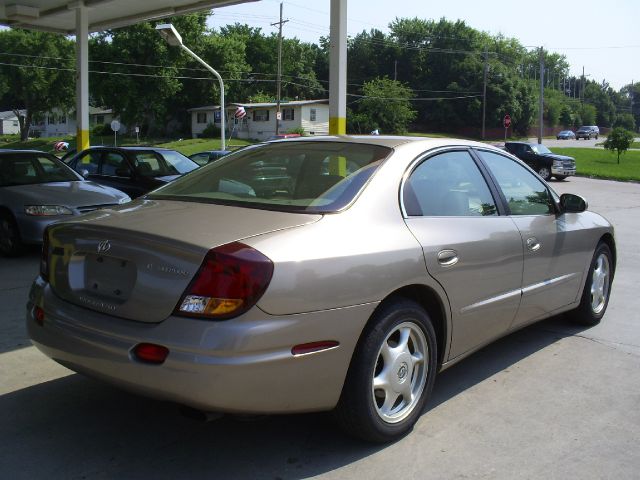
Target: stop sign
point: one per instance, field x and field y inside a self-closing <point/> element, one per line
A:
<point x="507" y="121"/>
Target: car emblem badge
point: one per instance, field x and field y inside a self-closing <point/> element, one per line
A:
<point x="104" y="246"/>
<point x="402" y="372"/>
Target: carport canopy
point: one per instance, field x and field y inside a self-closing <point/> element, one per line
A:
<point x="81" y="17"/>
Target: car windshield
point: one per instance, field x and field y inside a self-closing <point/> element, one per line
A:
<point x="32" y="168"/>
<point x="540" y="149"/>
<point x="158" y="164"/>
<point x="313" y="177"/>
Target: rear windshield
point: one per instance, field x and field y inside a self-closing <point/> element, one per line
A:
<point x="312" y="177"/>
<point x="28" y="169"/>
<point x="159" y="164"/>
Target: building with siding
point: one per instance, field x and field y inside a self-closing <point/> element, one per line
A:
<point x="9" y="124"/>
<point x="260" y="122"/>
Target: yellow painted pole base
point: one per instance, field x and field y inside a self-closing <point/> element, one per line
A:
<point x="337" y="126"/>
<point x="82" y="140"/>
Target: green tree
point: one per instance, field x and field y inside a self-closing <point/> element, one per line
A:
<point x="626" y="121"/>
<point x="33" y="81"/>
<point x="619" y="140"/>
<point x="386" y="105"/>
<point x="141" y="95"/>
<point x="565" y="117"/>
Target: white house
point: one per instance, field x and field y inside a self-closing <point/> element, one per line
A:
<point x="9" y="123"/>
<point x="57" y="123"/>
<point x="260" y="122"/>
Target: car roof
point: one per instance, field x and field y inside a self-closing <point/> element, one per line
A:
<point x="130" y="148"/>
<point x="16" y="150"/>
<point x="390" y="141"/>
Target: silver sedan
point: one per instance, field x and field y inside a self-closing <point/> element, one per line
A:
<point x="37" y="189"/>
<point x="335" y="273"/>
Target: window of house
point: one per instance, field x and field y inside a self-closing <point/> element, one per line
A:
<point x="201" y="117"/>
<point x="261" y="115"/>
<point x="312" y="114"/>
<point x="216" y="117"/>
<point x="287" y="114"/>
<point x="99" y="119"/>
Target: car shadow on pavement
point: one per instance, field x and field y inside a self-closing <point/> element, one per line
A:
<point x="74" y="427"/>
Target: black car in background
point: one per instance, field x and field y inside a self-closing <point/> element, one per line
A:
<point x="542" y="160"/>
<point x="133" y="170"/>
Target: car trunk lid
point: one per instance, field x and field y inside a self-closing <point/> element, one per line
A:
<point x="135" y="261"/>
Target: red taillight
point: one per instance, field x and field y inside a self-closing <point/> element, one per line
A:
<point x="44" y="256"/>
<point x="231" y="279"/>
<point x="151" y="353"/>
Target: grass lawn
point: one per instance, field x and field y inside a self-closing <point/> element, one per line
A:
<point x="195" y="145"/>
<point x="594" y="162"/>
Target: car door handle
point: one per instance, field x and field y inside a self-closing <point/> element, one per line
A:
<point x="533" y="244"/>
<point x="447" y="258"/>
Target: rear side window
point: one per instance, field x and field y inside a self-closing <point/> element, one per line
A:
<point x="448" y="184"/>
<point x="524" y="192"/>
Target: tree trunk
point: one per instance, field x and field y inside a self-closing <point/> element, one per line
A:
<point x="24" y="122"/>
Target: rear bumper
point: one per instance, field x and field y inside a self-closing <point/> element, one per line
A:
<point x="240" y="365"/>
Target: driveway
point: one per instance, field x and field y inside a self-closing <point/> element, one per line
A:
<point x="550" y="401"/>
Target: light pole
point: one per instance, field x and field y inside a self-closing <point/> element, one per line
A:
<point x="171" y="35"/>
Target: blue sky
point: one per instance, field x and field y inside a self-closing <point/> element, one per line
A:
<point x="602" y="37"/>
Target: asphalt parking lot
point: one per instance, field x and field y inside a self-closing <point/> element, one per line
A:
<point x="550" y="401"/>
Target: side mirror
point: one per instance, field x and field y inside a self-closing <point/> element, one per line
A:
<point x="570" y="203"/>
<point x="84" y="172"/>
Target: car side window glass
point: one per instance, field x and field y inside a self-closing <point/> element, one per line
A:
<point x="115" y="165"/>
<point x="448" y="184"/>
<point x="146" y="163"/>
<point x="200" y="158"/>
<point x="524" y="192"/>
<point x="88" y="161"/>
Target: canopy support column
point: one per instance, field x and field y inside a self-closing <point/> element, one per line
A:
<point x="82" y="77"/>
<point x="338" y="68"/>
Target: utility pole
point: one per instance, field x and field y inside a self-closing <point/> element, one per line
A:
<point x="279" y="79"/>
<point x="395" y="70"/>
<point x="541" y="105"/>
<point x="484" y="91"/>
<point x="582" y="86"/>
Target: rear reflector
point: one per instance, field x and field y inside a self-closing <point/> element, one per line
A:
<point x="151" y="353"/>
<point x="314" y="347"/>
<point x="38" y="314"/>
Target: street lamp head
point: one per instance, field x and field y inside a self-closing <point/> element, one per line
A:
<point x="170" y="34"/>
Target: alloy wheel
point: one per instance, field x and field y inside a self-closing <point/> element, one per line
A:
<point x="400" y="372"/>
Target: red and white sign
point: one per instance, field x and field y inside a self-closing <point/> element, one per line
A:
<point x="278" y="115"/>
<point x="240" y="113"/>
<point x="507" y="121"/>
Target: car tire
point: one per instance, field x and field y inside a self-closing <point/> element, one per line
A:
<point x="597" y="288"/>
<point x="10" y="241"/>
<point x="391" y="374"/>
<point x="560" y="178"/>
<point x="545" y="173"/>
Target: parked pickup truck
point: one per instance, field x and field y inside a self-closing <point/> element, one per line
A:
<point x="542" y="160"/>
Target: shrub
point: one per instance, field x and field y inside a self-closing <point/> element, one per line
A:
<point x="101" y="130"/>
<point x="298" y="130"/>
<point x="210" y="131"/>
